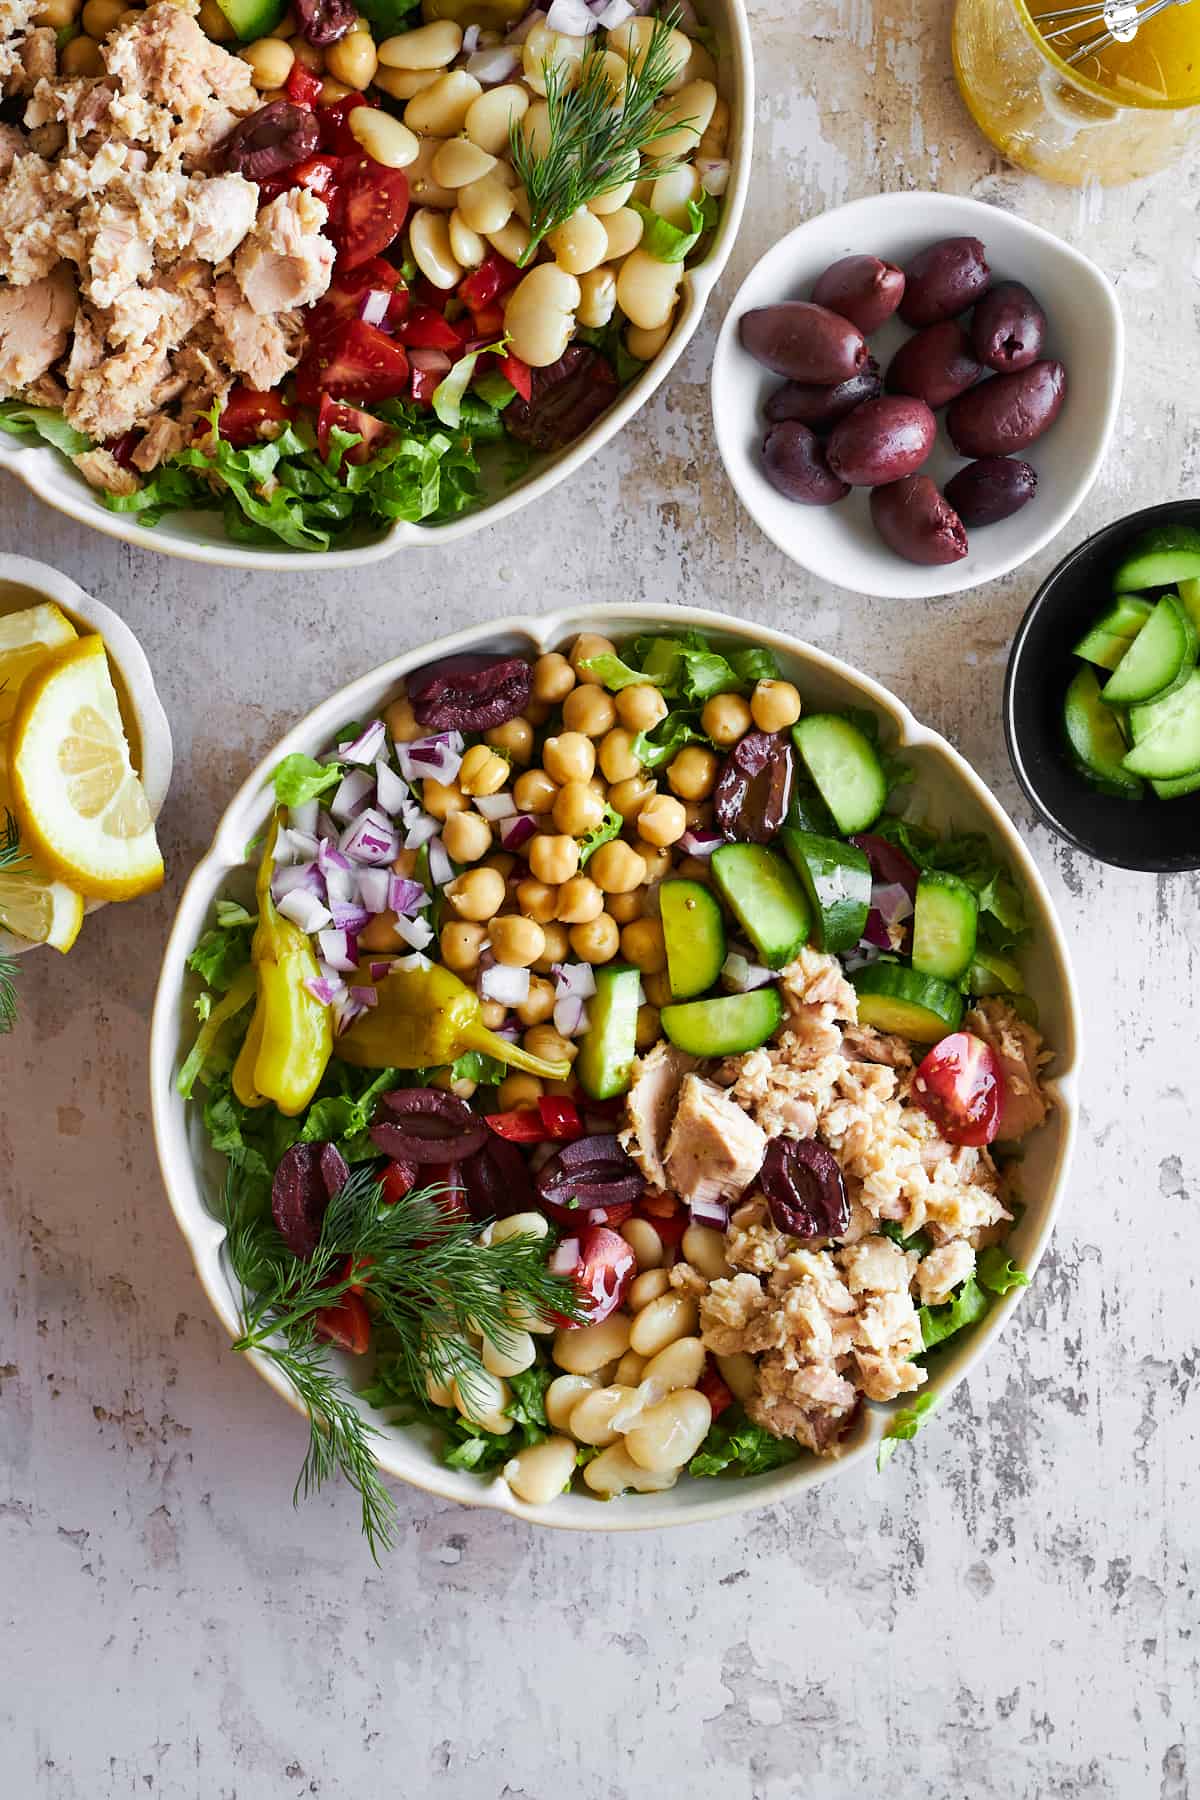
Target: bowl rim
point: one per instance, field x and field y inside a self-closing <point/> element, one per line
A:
<point x="38" y="465"/>
<point x="952" y="578"/>
<point x="202" y="1232"/>
<point x="1160" y="514"/>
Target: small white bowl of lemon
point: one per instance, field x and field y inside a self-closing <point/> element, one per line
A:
<point x="85" y="758"/>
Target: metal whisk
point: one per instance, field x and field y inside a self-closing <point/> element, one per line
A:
<point x="1120" y="18"/>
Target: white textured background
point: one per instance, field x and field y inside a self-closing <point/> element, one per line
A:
<point x="1011" y="1611"/>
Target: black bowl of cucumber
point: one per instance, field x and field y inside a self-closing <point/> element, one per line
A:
<point x="1102" y="695"/>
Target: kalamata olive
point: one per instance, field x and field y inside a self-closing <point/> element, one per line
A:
<point x="1009" y="412"/>
<point x="593" y="1171"/>
<point x="428" y="1122"/>
<point x="935" y="365"/>
<point x="324" y="21"/>
<point x="882" y="440"/>
<point x="943" y="279"/>
<point x="794" y="463"/>
<point x="804" y="1189"/>
<point x="820" y="407"/>
<point x="991" y="489"/>
<point x="862" y="289"/>
<point x="470" y="692"/>
<point x="1008" y="327"/>
<point x="915" y="521"/>
<point x="270" y="140"/>
<point x="567" y="397"/>
<point x="754" y="789"/>
<point x="497" y="1180"/>
<point x="803" y="341"/>
<point x="306" y="1179"/>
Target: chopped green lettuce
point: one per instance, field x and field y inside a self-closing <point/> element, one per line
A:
<point x="905" y="1424"/>
<point x="1003" y="919"/>
<point x="449" y="394"/>
<point x="685" y="667"/>
<point x="43" y="422"/>
<point x="299" y="778"/>
<point x="668" y="243"/>
<point x="342" y="1117"/>
<point x="920" y="1241"/>
<point x="658" y="746"/>
<point x="609" y="827"/>
<point x="609" y="340"/>
<point x="736" y="1446"/>
<point x="466" y="1445"/>
<point x="941" y="1322"/>
<point x="997" y="1272"/>
<point x="222" y="951"/>
<point x="391" y="16"/>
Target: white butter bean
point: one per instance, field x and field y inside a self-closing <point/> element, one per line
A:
<point x="690" y="111"/>
<point x="405" y="84"/>
<point x="540" y="314"/>
<point x="659" y="1324"/>
<point x="540" y="1472"/>
<point x="646" y="289"/>
<point x="441" y="109"/>
<point x="563" y="1396"/>
<point x="467" y="245"/>
<point x="459" y="162"/>
<point x="739" y="1373"/>
<point x="482" y="1398"/>
<point x="624" y="232"/>
<point x="489" y="118"/>
<point x="632" y="41"/>
<point x="645" y="345"/>
<point x="425" y="191"/>
<point x="670" y="1433"/>
<point x="613" y="199"/>
<point x="704" y="1248"/>
<point x="509" y="1353"/>
<point x="614" y="1470"/>
<point x="628" y="1371"/>
<point x="429" y="241"/>
<point x="382" y="137"/>
<point x="428" y="47"/>
<point x="580" y="243"/>
<point x="671" y="193"/>
<point x="526" y="1224"/>
<point x="680" y="1365"/>
<point x="644" y="1241"/>
<point x="597" y="297"/>
<point x="647" y="1287"/>
<point x="512" y="240"/>
<point x="582" y="1349"/>
<point x="563" y="53"/>
<point x="593" y="1418"/>
<point x="486" y="205"/>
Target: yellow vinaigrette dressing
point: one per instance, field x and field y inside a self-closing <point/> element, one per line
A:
<point x="1125" y="111"/>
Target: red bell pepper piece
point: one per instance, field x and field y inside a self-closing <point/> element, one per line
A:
<point x="494" y="278"/>
<point x="715" y="1390"/>
<point x="302" y="86"/>
<point x="426" y="329"/>
<point x="522" y="1126"/>
<point x="399" y="1178"/>
<point x="560" y="1118"/>
<point x="487" y="322"/>
<point x="519" y="374"/>
<point x="346" y="1323"/>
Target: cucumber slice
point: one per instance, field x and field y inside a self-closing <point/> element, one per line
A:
<point x="609" y="1045"/>
<point x="1094" y="733"/>
<point x="252" y="19"/>
<point x="837" y="880"/>
<point x="808" y="812"/>
<point x="846" y="768"/>
<point x="694" y="931"/>
<point x="1169" y="746"/>
<point x="945" y="926"/>
<point x="992" y="974"/>
<point x="1166" y="554"/>
<point x="1110" y="637"/>
<point x="894" y="998"/>
<point x="724" y="1027"/>
<point x="1175" y="790"/>
<point x="766" y="898"/>
<point x="1158" y="660"/>
<point x="1189" y="593"/>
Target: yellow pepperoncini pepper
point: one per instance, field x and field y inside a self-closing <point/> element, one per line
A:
<point x="425" y="1018"/>
<point x="290" y="1039"/>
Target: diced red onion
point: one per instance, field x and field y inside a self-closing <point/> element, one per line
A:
<point x="441" y="869"/>
<point x="701" y="843"/>
<point x="304" y="910"/>
<point x="349" y="1005"/>
<point x="742" y="975"/>
<point x="504" y="983"/>
<point x="348" y="916"/>
<point x="433" y="362"/>
<point x="875" y="932"/>
<point x="303" y="816"/>
<point x="353" y="793"/>
<point x="366" y="746"/>
<point x="338" y="873"/>
<point x="417" y="933"/>
<point x="574" y="17"/>
<point x="521" y="30"/>
<point x="517" y="831"/>
<point x="374" y="889"/>
<point x="710" y="1212"/>
<point x="611" y="13"/>
<point x="327" y="826"/>
<point x="439" y="757"/>
<point x="297" y="846"/>
<point x="565" y="1258"/>
<point x="496" y="806"/>
<point x="510" y="1031"/>
<point x="325" y="989"/>
<point x="570" y="1016"/>
<point x="420" y="828"/>
<point x="405" y="896"/>
<point x="492" y="66"/>
<point x="390" y="792"/>
<point x="373" y="307"/>
<point x="574" y="980"/>
<point x="714" y="174"/>
<point x="294" y="877"/>
<point x="418" y="960"/>
<point x="371" y="839"/>
<point x="338" y="950"/>
<point x="860" y="957"/>
<point x="379" y="971"/>
<point x="892" y="902"/>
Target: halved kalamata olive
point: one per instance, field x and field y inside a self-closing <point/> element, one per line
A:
<point x="915" y="521"/>
<point x="593" y="1171"/>
<point x="794" y="464"/>
<point x="429" y="1122"/>
<point x="324" y="21"/>
<point x="449" y="1191"/>
<point x="271" y="140"/>
<point x="804" y="1188"/>
<point x="862" y="289"/>
<point x="307" y="1178"/>
<point x="567" y="397"/>
<point x="820" y="407"/>
<point x="470" y="692"/>
<point x="754" y="788"/>
<point x="991" y="489"/>
<point x="497" y="1180"/>
<point x="1008" y="327"/>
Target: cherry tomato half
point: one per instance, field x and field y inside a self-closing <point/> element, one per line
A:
<point x="960" y="1086"/>
<point x="372" y="205"/>
<point x="346" y="1323"/>
<point x="348" y="418"/>
<point x="354" y="361"/>
<point x="244" y="413"/>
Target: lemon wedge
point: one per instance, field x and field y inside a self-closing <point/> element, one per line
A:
<point x="32" y="904"/>
<point x="25" y="639"/>
<point x="79" y="802"/>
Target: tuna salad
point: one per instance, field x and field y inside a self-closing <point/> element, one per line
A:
<point x="612" y="1061"/>
<point x="313" y="268"/>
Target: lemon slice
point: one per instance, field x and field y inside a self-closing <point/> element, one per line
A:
<point x="32" y="904"/>
<point x="79" y="803"/>
<point x="25" y="639"/>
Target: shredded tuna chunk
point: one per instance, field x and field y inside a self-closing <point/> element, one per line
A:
<point x="35" y="323"/>
<point x="715" y="1150"/>
<point x="941" y="1271"/>
<point x="285" y="261"/>
<point x="650" y="1107"/>
<point x="101" y="470"/>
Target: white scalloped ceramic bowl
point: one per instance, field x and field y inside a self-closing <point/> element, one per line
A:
<point x="951" y="791"/>
<point x="200" y="537"/>
<point x="839" y="543"/>
<point x="23" y="583"/>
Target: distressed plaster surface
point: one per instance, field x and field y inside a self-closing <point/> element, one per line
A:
<point x="1011" y="1612"/>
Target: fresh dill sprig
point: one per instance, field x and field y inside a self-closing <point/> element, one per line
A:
<point x="431" y="1282"/>
<point x="11" y="857"/>
<point x="592" y="144"/>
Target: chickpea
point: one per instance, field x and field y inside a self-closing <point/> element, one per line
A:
<point x="774" y="705"/>
<point x="598" y="941"/>
<point x="503" y="861"/>
<point x="461" y="945"/>
<point x="553" y="859"/>
<point x="569" y="757"/>
<point x="81" y="57"/>
<point x="657" y="858"/>
<point x="629" y="797"/>
<point x="493" y="1013"/>
<point x="479" y="894"/>
<point x="642" y="945"/>
<point x="586" y="646"/>
<point x="662" y="820"/>
<point x="616" y="758"/>
<point x="306" y="54"/>
<point x="549" y="1045"/>
<point x="516" y="941"/>
<point x="441" y="798"/>
<point x="553" y="678"/>
<point x="624" y="907"/>
<point x="578" y="809"/>
<point x="579" y="901"/>
<point x="695" y="868"/>
<point x="590" y="710"/>
<point x="462" y="1089"/>
<point x="352" y="59"/>
<point x="519" y="1090"/>
<point x="537" y="901"/>
<point x="699" y="815"/>
<point x="482" y="772"/>
<point x="658" y="989"/>
<point x="534" y="792"/>
<point x="467" y="836"/>
<point x="557" y="947"/>
<point x="617" y="868"/>
<point x="516" y="737"/>
<point x="405" y="864"/>
<point x="725" y="719"/>
<point x="401" y="721"/>
<point x="641" y="708"/>
<point x="379" y="933"/>
<point x="649" y="1027"/>
<point x="538" y="1004"/>
<point x="693" y="773"/>
<point x="270" y="61"/>
<point x="537" y="712"/>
